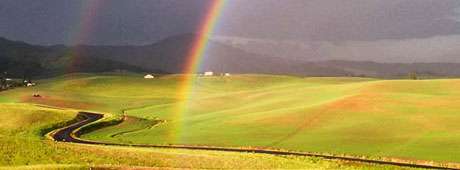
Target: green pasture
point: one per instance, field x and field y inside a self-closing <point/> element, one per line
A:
<point x="22" y="146"/>
<point x="354" y="116"/>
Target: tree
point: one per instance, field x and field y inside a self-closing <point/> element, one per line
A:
<point x="3" y="82"/>
<point x="413" y="76"/>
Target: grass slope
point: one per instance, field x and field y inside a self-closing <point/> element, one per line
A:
<point x="377" y="118"/>
<point x="22" y="147"/>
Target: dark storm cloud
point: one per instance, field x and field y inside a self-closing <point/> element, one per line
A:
<point x="341" y="19"/>
<point x="146" y="21"/>
<point x="115" y="22"/>
<point x="37" y="21"/>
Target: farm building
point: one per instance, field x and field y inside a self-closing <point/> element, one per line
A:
<point x="208" y="73"/>
<point x="149" y="76"/>
<point x="227" y="74"/>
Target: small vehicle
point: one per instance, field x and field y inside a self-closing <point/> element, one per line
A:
<point x="36" y="95"/>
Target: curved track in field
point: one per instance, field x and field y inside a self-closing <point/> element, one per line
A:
<point x="69" y="134"/>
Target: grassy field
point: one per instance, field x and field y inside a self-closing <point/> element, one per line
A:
<point x="376" y="118"/>
<point x="22" y="147"/>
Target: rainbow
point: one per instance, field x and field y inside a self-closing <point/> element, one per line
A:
<point x="87" y="23"/>
<point x="193" y="62"/>
<point x="83" y="29"/>
<point x="206" y="30"/>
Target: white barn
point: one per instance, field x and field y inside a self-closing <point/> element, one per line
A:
<point x="208" y="73"/>
<point x="149" y="76"/>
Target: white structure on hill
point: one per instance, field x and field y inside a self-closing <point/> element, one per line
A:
<point x="227" y="74"/>
<point x="208" y="73"/>
<point x="149" y="76"/>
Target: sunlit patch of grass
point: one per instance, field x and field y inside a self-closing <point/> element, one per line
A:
<point x="356" y="116"/>
<point x="22" y="147"/>
<point x="377" y="118"/>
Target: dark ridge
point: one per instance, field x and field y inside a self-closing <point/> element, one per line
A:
<point x="170" y="55"/>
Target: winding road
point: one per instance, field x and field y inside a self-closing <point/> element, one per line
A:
<point x="69" y="134"/>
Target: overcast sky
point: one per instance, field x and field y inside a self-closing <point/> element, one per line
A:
<point x="147" y="21"/>
<point x="114" y="22"/>
<point x="342" y="19"/>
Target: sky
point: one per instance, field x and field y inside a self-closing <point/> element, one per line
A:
<point x="114" y="22"/>
<point x="339" y="24"/>
<point x="343" y="20"/>
<point x="147" y="21"/>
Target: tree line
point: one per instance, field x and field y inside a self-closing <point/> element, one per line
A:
<point x="6" y="83"/>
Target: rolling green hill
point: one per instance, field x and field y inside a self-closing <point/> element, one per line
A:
<point x="22" y="146"/>
<point x="376" y="118"/>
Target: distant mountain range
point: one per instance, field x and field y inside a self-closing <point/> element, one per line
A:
<point x="22" y="60"/>
<point x="426" y="50"/>
<point x="169" y="56"/>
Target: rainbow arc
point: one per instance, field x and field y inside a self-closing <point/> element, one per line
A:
<point x="193" y="63"/>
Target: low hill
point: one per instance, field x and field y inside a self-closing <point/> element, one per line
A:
<point x="22" y="60"/>
<point x="392" y="70"/>
<point x="170" y="55"/>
